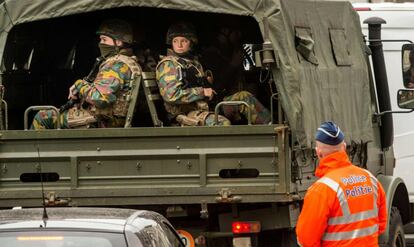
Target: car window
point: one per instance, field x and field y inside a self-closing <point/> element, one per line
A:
<point x="158" y="235"/>
<point x="173" y="237"/>
<point x="153" y="236"/>
<point x="61" y="239"/>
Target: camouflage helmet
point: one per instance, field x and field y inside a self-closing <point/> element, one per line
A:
<point x="117" y="29"/>
<point x="182" y="29"/>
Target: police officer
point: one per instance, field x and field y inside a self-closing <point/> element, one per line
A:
<point x="186" y="88"/>
<point x="103" y="101"/>
<point x="347" y="205"/>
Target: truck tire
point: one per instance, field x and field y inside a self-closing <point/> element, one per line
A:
<point x="396" y="237"/>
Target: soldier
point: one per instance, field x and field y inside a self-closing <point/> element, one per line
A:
<point x="186" y="88"/>
<point x="225" y="58"/>
<point x="182" y="81"/>
<point x="101" y="102"/>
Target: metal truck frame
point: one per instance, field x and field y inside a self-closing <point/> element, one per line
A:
<point x="203" y="178"/>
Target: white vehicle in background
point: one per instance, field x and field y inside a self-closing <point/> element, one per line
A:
<point x="399" y="25"/>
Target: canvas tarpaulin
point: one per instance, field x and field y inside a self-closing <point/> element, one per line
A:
<point x="322" y="74"/>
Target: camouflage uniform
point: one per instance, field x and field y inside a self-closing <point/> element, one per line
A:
<point x="105" y="100"/>
<point x="186" y="105"/>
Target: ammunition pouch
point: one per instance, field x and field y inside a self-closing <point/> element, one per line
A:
<point x="80" y="118"/>
<point x="102" y="113"/>
<point x="120" y="108"/>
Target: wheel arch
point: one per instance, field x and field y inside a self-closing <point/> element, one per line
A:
<point x="397" y="196"/>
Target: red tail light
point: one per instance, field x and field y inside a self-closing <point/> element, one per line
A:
<point x="246" y="227"/>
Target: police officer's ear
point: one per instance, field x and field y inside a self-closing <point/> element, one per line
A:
<point x="318" y="152"/>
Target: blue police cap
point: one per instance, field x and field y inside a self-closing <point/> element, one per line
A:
<point x="329" y="133"/>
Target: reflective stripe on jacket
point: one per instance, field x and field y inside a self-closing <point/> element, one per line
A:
<point x="346" y="207"/>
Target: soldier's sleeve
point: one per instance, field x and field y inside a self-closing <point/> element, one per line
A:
<point x="171" y="89"/>
<point x="102" y="92"/>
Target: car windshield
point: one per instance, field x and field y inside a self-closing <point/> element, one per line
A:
<point x="61" y="239"/>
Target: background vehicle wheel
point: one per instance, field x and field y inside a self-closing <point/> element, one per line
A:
<point x="396" y="237"/>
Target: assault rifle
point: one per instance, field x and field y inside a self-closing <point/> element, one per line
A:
<point x="94" y="71"/>
<point x="89" y="78"/>
<point x="69" y="104"/>
<point x="189" y="78"/>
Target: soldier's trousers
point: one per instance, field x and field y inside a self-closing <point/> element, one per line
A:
<point x="47" y="119"/>
<point x="74" y="118"/>
<point x="259" y="113"/>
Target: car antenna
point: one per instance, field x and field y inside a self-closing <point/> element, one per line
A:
<point x="45" y="217"/>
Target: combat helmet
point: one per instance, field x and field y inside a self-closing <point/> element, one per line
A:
<point x="117" y="29"/>
<point x="182" y="29"/>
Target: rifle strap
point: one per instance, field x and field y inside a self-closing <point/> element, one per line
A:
<point x="181" y="63"/>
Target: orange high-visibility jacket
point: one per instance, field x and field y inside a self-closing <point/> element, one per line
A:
<point x="345" y="207"/>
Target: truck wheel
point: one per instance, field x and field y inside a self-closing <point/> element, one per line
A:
<point x="396" y="238"/>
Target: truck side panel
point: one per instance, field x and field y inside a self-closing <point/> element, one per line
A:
<point x="144" y="166"/>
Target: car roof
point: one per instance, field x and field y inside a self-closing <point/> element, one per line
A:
<point x="93" y="219"/>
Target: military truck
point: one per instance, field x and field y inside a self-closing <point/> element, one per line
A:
<point x="224" y="185"/>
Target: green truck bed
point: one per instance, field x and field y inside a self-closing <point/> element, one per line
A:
<point x="140" y="166"/>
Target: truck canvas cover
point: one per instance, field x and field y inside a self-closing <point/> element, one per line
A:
<point x="321" y="74"/>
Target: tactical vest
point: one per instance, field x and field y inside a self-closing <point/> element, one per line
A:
<point x="184" y="64"/>
<point x="181" y="64"/>
<point x="123" y="96"/>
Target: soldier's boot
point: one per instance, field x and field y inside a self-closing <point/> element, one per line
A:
<point x="201" y="118"/>
<point x="184" y="120"/>
<point x="206" y="118"/>
<point x="222" y="120"/>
